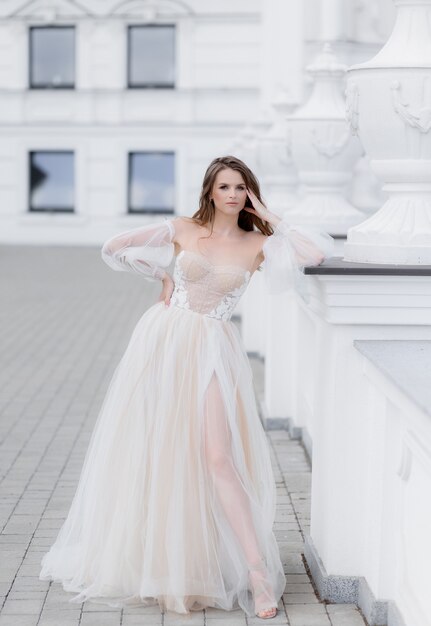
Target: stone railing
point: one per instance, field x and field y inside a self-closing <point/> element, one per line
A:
<point x="370" y="514"/>
<point x="346" y="371"/>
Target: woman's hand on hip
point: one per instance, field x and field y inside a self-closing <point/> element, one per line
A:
<point x="167" y="289"/>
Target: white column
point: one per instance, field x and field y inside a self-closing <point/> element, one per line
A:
<point x="282" y="83"/>
<point x="266" y="150"/>
<point x="332" y="20"/>
<point x="282" y="50"/>
<point x="253" y="316"/>
<point x="280" y="356"/>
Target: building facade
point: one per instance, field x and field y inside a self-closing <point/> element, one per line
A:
<point x="111" y="110"/>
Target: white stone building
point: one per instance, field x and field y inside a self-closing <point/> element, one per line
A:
<point x="110" y="110"/>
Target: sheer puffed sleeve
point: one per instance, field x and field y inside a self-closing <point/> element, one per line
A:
<point x="288" y="250"/>
<point x="145" y="250"/>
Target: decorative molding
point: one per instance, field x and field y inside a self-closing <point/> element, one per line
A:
<point x="405" y="467"/>
<point x="50" y="10"/>
<point x="150" y="9"/>
<point x="288" y="136"/>
<point x="282" y="154"/>
<point x="333" y="143"/>
<point x="352" y="107"/>
<point x="421" y="119"/>
<point x="413" y="448"/>
<point x="319" y="129"/>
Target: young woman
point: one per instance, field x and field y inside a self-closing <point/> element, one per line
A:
<point x="176" y="500"/>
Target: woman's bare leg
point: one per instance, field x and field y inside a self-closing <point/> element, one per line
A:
<point x="230" y="490"/>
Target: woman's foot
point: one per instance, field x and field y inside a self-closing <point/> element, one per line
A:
<point x="267" y="613"/>
<point x="265" y="605"/>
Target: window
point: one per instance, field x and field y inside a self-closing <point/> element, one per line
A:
<point x="151" y="182"/>
<point x="52" y="57"/>
<point x="152" y="56"/>
<point x="52" y="181"/>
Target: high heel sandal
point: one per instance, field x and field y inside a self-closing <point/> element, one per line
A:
<point x="264" y="600"/>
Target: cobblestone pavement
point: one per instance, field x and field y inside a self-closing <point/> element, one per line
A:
<point x="65" y="322"/>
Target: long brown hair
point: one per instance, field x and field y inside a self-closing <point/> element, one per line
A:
<point x="205" y="214"/>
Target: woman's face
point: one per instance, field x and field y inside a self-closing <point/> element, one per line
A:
<point x="229" y="192"/>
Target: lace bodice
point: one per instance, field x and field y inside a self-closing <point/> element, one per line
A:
<point x="202" y="287"/>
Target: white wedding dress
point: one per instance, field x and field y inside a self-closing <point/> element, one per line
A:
<point x="176" y="500"/>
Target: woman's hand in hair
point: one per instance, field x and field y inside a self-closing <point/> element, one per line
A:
<point x="260" y="210"/>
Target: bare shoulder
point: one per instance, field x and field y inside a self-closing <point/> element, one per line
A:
<point x="257" y="236"/>
<point x="256" y="240"/>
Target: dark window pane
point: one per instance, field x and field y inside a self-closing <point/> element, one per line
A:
<point x="151" y="182"/>
<point x="51" y="181"/>
<point x="151" y="56"/>
<point x="52" y="57"/>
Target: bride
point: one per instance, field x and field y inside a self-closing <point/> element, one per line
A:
<point x="176" y="499"/>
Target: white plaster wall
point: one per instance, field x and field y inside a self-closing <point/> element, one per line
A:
<point x="391" y="536"/>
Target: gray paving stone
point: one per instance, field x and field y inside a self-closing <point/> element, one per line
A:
<point x="151" y="609"/>
<point x="296" y="579"/>
<point x="100" y="619"/>
<point x="195" y="618"/>
<point x="60" y="612"/>
<point x="51" y="607"/>
<point x="345" y="615"/>
<point x="307" y="615"/>
<point x="29" y="583"/>
<point x="7" y="573"/>
<point x="234" y="621"/>
<point x="292" y="546"/>
<point x="300" y="598"/>
<point x="139" y="620"/>
<point x="22" y="607"/>
<point x="26" y="594"/>
<point x="217" y="614"/>
<point x="291" y="568"/>
<point x="60" y="619"/>
<point x="20" y="620"/>
<point x="75" y="324"/>
<point x="93" y="607"/>
<point x="305" y="587"/>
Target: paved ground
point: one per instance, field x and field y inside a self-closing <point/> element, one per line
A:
<point x="65" y="321"/>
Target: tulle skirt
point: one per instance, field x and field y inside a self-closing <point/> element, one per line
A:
<point x="176" y="498"/>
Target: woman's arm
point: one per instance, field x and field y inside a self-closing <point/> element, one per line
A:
<point x="145" y="250"/>
<point x="289" y="249"/>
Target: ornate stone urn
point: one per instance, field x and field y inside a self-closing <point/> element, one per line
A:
<point x="389" y="107"/>
<point x="275" y="162"/>
<point x="324" y="150"/>
<point x="246" y="143"/>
